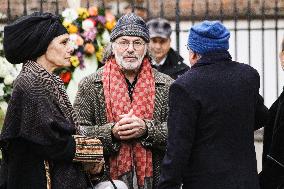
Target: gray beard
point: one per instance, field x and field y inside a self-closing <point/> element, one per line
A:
<point x="129" y="66"/>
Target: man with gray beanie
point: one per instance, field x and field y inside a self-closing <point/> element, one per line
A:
<point x="167" y="60"/>
<point x="214" y="109"/>
<point x="125" y="105"/>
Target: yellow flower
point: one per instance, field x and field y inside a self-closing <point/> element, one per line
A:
<point x="66" y="24"/>
<point x="74" y="61"/>
<point x="83" y="13"/>
<point x="72" y="28"/>
<point x="99" y="54"/>
<point x="110" y="25"/>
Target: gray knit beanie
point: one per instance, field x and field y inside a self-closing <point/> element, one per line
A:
<point x="130" y="25"/>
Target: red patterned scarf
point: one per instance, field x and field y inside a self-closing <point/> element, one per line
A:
<point x="118" y="102"/>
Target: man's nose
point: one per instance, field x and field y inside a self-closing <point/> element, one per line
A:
<point x="157" y="45"/>
<point x="130" y="47"/>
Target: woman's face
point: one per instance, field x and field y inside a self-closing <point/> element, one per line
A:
<point x="59" y="51"/>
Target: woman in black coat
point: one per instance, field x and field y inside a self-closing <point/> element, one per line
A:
<point x="272" y="175"/>
<point x="37" y="141"/>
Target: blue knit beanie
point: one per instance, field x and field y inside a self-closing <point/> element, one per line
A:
<point x="130" y="25"/>
<point x="208" y="36"/>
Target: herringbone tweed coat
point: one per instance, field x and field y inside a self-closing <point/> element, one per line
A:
<point x="91" y="109"/>
<point x="38" y="127"/>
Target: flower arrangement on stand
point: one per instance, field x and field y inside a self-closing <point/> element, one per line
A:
<point x="8" y="73"/>
<point x="89" y="34"/>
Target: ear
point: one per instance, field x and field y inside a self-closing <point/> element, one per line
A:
<point x="192" y="55"/>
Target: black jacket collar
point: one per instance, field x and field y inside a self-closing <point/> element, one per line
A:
<point x="212" y="58"/>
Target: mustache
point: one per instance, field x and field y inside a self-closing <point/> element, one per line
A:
<point x="131" y="55"/>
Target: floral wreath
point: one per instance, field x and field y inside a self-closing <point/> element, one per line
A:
<point x="87" y="29"/>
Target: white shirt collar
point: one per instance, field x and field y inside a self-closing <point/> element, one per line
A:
<point x="162" y="62"/>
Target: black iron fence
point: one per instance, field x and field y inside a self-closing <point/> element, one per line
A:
<point x="234" y="11"/>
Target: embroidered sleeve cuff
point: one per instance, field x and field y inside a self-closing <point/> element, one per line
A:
<point x="88" y="149"/>
<point x="147" y="139"/>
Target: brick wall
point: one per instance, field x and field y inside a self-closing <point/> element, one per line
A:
<point x="186" y="6"/>
<point x="17" y="6"/>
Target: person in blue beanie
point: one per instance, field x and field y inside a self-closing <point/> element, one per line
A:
<point x="214" y="109"/>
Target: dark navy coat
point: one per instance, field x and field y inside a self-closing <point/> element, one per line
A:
<point x="214" y="109"/>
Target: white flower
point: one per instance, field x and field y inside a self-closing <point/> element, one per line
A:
<point x="9" y="69"/>
<point x="8" y="80"/>
<point x="87" y="25"/>
<point x="3" y="106"/>
<point x="73" y="38"/>
<point x="14" y="70"/>
<point x="73" y="45"/>
<point x="105" y="38"/>
<point x="2" y="89"/>
<point x="3" y="68"/>
<point x="69" y="15"/>
<point x="18" y="68"/>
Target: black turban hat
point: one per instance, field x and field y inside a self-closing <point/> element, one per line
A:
<point x="28" y="37"/>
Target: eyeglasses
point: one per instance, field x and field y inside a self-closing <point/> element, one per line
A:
<point x="137" y="45"/>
